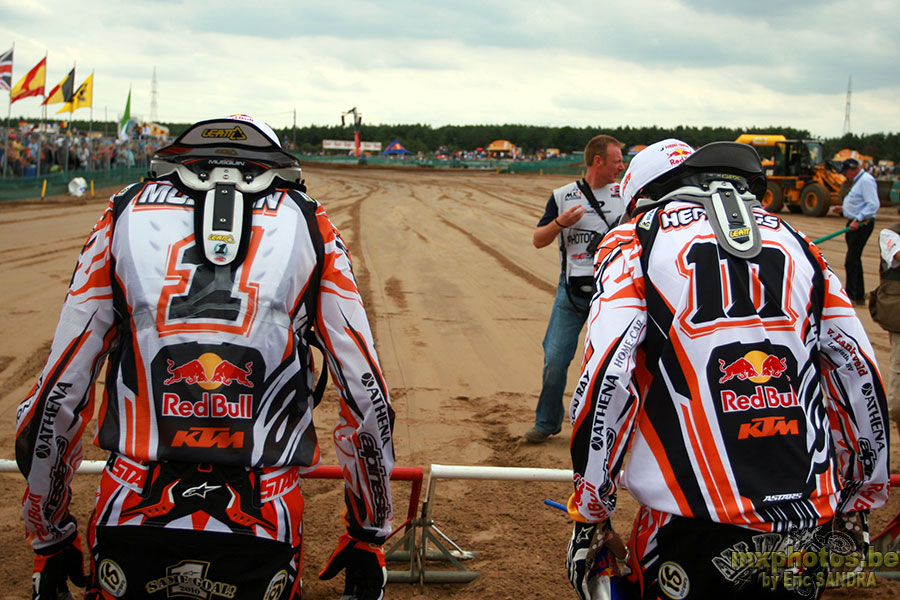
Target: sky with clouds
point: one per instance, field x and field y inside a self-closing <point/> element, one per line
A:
<point x="583" y="63"/>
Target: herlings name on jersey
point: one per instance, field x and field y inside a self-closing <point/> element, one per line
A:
<point x="683" y="216"/>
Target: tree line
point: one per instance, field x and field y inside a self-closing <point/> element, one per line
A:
<point x="533" y="138"/>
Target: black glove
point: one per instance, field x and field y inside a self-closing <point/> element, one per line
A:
<point x="366" y="574"/>
<point x="52" y="571"/>
<point x="580" y="557"/>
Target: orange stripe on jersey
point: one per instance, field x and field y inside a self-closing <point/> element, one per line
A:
<point x="336" y="278"/>
<point x="61" y="365"/>
<point x="711" y="464"/>
<point x="700" y="458"/>
<point x="139" y="421"/>
<point x="580" y="418"/>
<point x="97" y="279"/>
<point x="330" y="273"/>
<point x="756" y="289"/>
<point x="295" y="306"/>
<point x="326" y="228"/>
<point x="629" y="417"/>
<point x="129" y="424"/>
<point x="288" y="348"/>
<point x="659" y="453"/>
<point x="104" y="223"/>
<point x="364" y="351"/>
<point x="588" y="353"/>
<point x="825" y="489"/>
<point x="141" y="433"/>
<point x="589" y="392"/>
<point x="364" y="494"/>
<point x="635" y="291"/>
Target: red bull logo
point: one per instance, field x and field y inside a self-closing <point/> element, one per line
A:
<point x="190" y="372"/>
<point x="217" y="406"/>
<point x="764" y="396"/>
<point x="679" y="154"/>
<point x="756" y="366"/>
<point x="209" y="371"/>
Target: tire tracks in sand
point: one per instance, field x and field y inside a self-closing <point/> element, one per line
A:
<point x="508" y="265"/>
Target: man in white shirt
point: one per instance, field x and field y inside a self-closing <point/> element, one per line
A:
<point x="860" y="207"/>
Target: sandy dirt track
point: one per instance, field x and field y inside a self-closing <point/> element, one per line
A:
<point x="458" y="299"/>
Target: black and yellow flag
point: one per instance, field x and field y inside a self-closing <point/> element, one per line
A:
<point x="63" y="90"/>
<point x="82" y="97"/>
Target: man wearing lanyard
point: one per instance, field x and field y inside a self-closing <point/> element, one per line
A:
<point x="576" y="215"/>
<point x="860" y="207"/>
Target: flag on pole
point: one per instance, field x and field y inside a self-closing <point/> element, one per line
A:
<point x="63" y="90"/>
<point x="82" y="97"/>
<point x="6" y="69"/>
<point x="32" y="84"/>
<point x="123" y="124"/>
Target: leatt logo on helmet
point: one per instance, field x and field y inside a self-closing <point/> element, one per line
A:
<point x="235" y="133"/>
<point x="217" y="237"/>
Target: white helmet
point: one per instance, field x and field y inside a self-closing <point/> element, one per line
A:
<point x="726" y="178"/>
<point x="650" y="163"/>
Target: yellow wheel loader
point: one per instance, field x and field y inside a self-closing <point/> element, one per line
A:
<point x="797" y="175"/>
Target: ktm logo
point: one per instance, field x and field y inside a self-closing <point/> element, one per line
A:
<point x="767" y="427"/>
<point x="208" y="437"/>
<point x="235" y="133"/>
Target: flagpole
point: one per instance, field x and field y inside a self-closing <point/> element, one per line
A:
<point x="72" y="119"/>
<point x="91" y="126"/>
<point x="6" y="144"/>
<point x="8" y="113"/>
<point x="69" y="125"/>
<point x="37" y="168"/>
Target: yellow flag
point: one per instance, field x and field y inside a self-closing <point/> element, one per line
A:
<point x="82" y="97"/>
<point x="63" y="90"/>
<point x="32" y="84"/>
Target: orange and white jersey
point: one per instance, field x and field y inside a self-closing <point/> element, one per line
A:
<point x="746" y="390"/>
<point x="208" y="364"/>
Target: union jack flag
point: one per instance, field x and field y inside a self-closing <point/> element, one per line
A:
<point x="6" y="70"/>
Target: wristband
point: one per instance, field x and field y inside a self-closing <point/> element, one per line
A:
<point x="561" y="226"/>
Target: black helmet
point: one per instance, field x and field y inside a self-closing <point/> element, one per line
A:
<point x="725" y="177"/>
<point x="237" y="142"/>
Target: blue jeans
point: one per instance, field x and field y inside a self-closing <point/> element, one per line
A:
<point x="560" y="343"/>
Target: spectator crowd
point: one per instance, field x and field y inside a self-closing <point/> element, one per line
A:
<point x="30" y="153"/>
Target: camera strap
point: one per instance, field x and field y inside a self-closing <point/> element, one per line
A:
<point x="592" y="200"/>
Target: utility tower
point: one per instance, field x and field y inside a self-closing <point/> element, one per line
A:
<point x="153" y="97"/>
<point x="357" y="121"/>
<point x="847" y="109"/>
